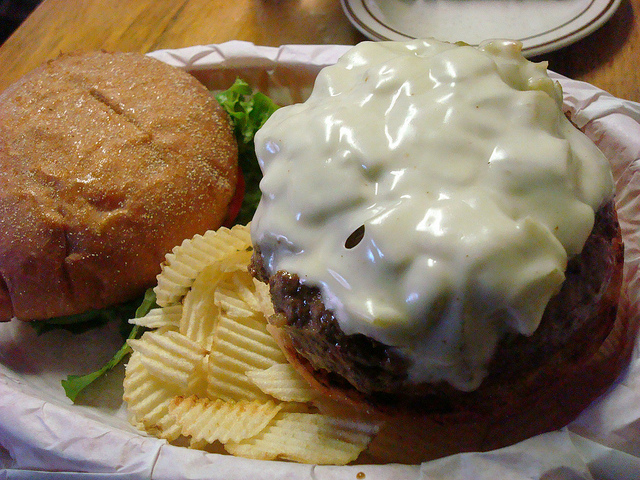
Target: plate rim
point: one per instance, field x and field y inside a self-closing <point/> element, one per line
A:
<point x="553" y="38"/>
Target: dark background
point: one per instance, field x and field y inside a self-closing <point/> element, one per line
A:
<point x="12" y="14"/>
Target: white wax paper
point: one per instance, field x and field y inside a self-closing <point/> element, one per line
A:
<point x="43" y="435"/>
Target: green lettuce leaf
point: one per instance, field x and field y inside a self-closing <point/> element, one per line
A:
<point x="248" y="110"/>
<point x="74" y="384"/>
<point x="85" y="321"/>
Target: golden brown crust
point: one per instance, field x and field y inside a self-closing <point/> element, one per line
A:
<point x="497" y="415"/>
<point x="107" y="161"/>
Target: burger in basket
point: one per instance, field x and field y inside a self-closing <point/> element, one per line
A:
<point x="441" y="246"/>
<point x="434" y="267"/>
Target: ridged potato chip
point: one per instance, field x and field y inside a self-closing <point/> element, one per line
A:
<point x="183" y="264"/>
<point x="200" y="313"/>
<point x="283" y="382"/>
<point x="169" y="356"/>
<point x="248" y="337"/>
<point x="307" y="438"/>
<point x="218" y="420"/>
<point x="264" y="304"/>
<point x="148" y="400"/>
<point x="231" y="304"/>
<point x="241" y="345"/>
<point x="160" y="317"/>
<point x="212" y="294"/>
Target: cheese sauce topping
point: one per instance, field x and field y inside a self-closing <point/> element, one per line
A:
<point x="434" y="193"/>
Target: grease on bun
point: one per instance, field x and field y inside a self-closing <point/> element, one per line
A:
<point x="107" y="161"/>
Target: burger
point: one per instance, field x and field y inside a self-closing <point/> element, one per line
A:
<point x="107" y="161"/>
<point x="441" y="246"/>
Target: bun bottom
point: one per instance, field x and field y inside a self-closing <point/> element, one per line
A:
<point x="557" y="401"/>
<point x="545" y="401"/>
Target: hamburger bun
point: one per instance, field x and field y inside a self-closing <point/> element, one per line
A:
<point x="396" y="285"/>
<point x="107" y="161"/>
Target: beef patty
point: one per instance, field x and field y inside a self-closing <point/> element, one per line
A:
<point x="574" y="325"/>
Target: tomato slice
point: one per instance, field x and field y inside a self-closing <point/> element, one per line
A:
<point x="236" y="201"/>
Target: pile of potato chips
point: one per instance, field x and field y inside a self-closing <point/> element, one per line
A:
<point x="208" y="372"/>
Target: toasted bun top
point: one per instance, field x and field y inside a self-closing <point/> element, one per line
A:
<point x="107" y="160"/>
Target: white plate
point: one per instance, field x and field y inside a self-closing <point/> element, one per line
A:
<point x="541" y="25"/>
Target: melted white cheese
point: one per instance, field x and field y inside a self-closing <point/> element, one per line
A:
<point x="472" y="186"/>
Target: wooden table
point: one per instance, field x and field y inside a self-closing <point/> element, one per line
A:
<point x="609" y="58"/>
